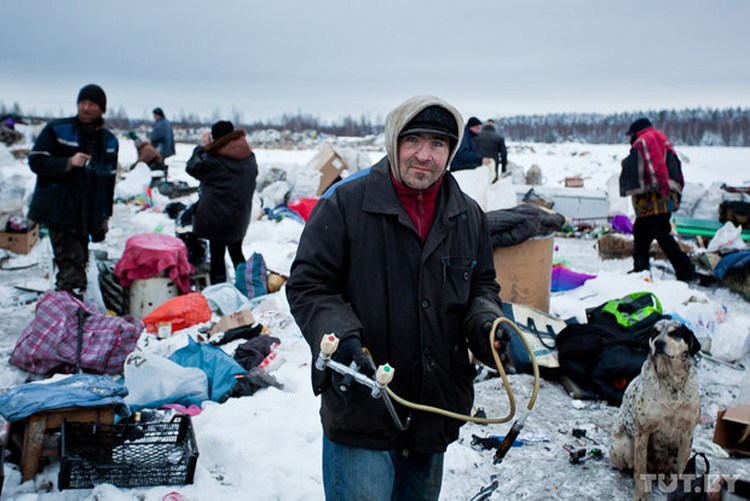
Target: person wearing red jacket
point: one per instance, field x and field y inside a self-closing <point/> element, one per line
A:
<point x="661" y="197"/>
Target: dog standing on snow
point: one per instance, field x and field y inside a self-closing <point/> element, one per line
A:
<point x="654" y="429"/>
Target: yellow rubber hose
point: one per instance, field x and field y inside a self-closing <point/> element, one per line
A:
<point x="506" y="384"/>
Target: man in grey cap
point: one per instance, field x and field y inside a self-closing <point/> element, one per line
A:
<point x="397" y="259"/>
<point x="75" y="160"/>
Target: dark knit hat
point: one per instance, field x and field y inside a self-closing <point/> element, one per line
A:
<point x="639" y="125"/>
<point x="433" y="120"/>
<point x="221" y="128"/>
<point x="157" y="111"/>
<point x="473" y="121"/>
<point x="94" y="93"/>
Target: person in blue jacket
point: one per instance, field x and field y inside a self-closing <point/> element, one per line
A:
<point x="467" y="156"/>
<point x="162" y="135"/>
<point x="75" y="161"/>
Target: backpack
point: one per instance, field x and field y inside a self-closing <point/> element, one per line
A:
<point x="603" y="355"/>
<point x="632" y="177"/>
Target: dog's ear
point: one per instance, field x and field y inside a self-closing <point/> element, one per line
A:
<point x="694" y="346"/>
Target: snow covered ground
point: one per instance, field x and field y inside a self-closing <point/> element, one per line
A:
<point x="267" y="446"/>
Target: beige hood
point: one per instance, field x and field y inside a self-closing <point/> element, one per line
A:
<point x="402" y="114"/>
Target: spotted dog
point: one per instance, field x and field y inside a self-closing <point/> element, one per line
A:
<point x="653" y="433"/>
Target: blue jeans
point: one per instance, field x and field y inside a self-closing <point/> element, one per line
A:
<point x="365" y="474"/>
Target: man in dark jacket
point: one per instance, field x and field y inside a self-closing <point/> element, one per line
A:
<point x="491" y="144"/>
<point x="162" y="135"/>
<point x="75" y="160"/>
<point x="226" y="167"/>
<point x="467" y="156"/>
<point x="397" y="260"/>
<point x="658" y="199"/>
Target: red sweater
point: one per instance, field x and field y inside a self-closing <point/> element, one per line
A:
<point x="419" y="205"/>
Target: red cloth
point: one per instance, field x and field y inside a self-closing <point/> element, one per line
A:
<point x="151" y="255"/>
<point x="653" y="145"/>
<point x="303" y="206"/>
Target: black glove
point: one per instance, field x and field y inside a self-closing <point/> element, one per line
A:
<point x="350" y="350"/>
<point x="502" y="341"/>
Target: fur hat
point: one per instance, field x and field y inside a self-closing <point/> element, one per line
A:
<point x="432" y="120"/>
<point x="158" y="111"/>
<point x="639" y="125"/>
<point x="473" y="121"/>
<point x="94" y="93"/>
<point x="221" y="128"/>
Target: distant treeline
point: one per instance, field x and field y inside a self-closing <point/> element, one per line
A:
<point x="695" y="127"/>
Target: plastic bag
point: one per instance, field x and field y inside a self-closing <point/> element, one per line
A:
<point x="153" y="380"/>
<point x="728" y="238"/>
<point x="219" y="367"/>
<point x="180" y="312"/>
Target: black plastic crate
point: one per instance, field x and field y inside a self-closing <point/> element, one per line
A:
<point x="127" y="455"/>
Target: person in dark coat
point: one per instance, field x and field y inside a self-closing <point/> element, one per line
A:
<point x="654" y="207"/>
<point x="467" y="156"/>
<point x="75" y="161"/>
<point x="491" y="144"/>
<point x="162" y="134"/>
<point x="226" y="167"/>
<point x="397" y="260"/>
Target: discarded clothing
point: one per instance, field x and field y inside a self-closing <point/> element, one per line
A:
<point x="219" y="367"/>
<point x="733" y="260"/>
<point x="255" y="379"/>
<point x="245" y="332"/>
<point x="251" y="353"/>
<point x="150" y="255"/>
<point x="79" y="390"/>
<point x="518" y="224"/>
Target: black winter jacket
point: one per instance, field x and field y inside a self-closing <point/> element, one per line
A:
<point x="227" y="171"/>
<point x="361" y="270"/>
<point x="81" y="199"/>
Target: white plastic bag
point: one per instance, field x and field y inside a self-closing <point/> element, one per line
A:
<point x="728" y="238"/>
<point x="153" y="380"/>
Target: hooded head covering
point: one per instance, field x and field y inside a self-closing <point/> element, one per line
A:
<point x="404" y="117"/>
<point x="432" y="120"/>
<point x="158" y="111"/>
<point x="95" y="94"/>
<point x="473" y="121"/>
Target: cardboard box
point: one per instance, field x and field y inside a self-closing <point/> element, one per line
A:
<point x="232" y="321"/>
<point x="330" y="165"/>
<point x="732" y="430"/>
<point x="574" y="182"/>
<point x="524" y="272"/>
<point x="19" y="243"/>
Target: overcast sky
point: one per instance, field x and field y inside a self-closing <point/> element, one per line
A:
<point x="337" y="58"/>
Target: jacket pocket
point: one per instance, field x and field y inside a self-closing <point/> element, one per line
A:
<point x="457" y="273"/>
